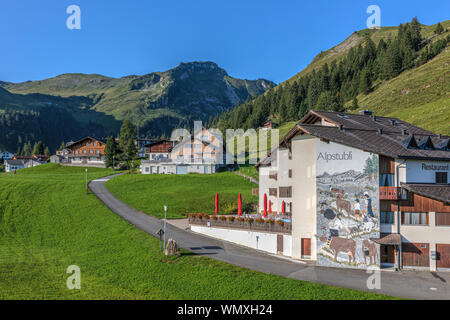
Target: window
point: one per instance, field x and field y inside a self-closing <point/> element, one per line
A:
<point x="441" y="177"/>
<point x="386" y="180"/>
<point x="387" y="217"/>
<point x="95" y="144"/>
<point x="290" y="173"/>
<point x="86" y="144"/>
<point x="147" y="169"/>
<point x="414" y="218"/>
<point x="285" y="192"/>
<point x="84" y="151"/>
<point x="97" y="152"/>
<point x="91" y="152"/>
<point x="442" y="219"/>
<point x="273" y="192"/>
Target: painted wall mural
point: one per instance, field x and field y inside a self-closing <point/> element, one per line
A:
<point x="347" y="207"/>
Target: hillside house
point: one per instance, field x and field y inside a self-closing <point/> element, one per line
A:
<point x="87" y="151"/>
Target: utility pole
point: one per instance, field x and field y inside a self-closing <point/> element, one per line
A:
<point x="113" y="163"/>
<point x="86" y="181"/>
<point x="165" y="218"/>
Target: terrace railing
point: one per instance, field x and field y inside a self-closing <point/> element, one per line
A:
<point x="284" y="227"/>
<point x="390" y="193"/>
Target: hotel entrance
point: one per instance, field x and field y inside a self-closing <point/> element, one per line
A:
<point x="387" y="255"/>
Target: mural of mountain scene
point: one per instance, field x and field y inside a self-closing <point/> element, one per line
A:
<point x="347" y="209"/>
<point x="72" y="106"/>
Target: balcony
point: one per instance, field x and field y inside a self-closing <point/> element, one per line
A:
<point x="390" y="193"/>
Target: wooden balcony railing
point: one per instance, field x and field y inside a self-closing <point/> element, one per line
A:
<point x="390" y="193"/>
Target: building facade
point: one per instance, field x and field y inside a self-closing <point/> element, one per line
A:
<point x="366" y="191"/>
<point x="87" y="151"/>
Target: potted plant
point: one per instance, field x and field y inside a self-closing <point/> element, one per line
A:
<point x="222" y="218"/>
<point x="214" y="217"/>
<point x="230" y="219"/>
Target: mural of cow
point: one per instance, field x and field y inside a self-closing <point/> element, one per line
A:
<point x="348" y="246"/>
<point x="370" y="251"/>
<point x="343" y="205"/>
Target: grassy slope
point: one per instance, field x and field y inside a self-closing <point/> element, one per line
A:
<point x="47" y="223"/>
<point x="181" y="193"/>
<point x="420" y="96"/>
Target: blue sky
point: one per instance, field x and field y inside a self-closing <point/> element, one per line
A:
<point x="250" y="39"/>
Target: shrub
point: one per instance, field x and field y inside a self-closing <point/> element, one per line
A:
<point x="249" y="220"/>
<point x="222" y="218"/>
<point x="280" y="223"/>
<point x="240" y="219"/>
<point x="230" y="218"/>
<point x="259" y="220"/>
<point x="213" y="217"/>
<point x="270" y="221"/>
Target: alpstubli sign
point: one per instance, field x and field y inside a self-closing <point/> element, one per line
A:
<point x="334" y="156"/>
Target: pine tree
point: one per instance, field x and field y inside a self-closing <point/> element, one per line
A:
<point x="439" y="29"/>
<point x="355" y="104"/>
<point x="38" y="148"/>
<point x="27" y="151"/>
<point x="365" y="82"/>
<point x="47" y="152"/>
<point x="126" y="141"/>
<point x="111" y="151"/>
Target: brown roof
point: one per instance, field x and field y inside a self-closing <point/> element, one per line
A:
<point x="382" y="135"/>
<point x="439" y="192"/>
<point x="391" y="238"/>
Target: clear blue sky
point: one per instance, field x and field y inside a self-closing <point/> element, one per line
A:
<point x="248" y="38"/>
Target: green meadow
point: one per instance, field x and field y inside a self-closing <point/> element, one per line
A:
<point x="183" y="194"/>
<point x="48" y="223"/>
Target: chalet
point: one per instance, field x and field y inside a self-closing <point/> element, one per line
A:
<point x="363" y="191"/>
<point x="159" y="149"/>
<point x="5" y="155"/>
<point x="87" y="151"/>
<point x="13" y="165"/>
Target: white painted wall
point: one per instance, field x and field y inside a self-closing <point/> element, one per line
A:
<point x="263" y="241"/>
<point x="421" y="171"/>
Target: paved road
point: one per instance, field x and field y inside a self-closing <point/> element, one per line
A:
<point x="406" y="284"/>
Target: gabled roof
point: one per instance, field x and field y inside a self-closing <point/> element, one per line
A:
<point x="382" y="135"/>
<point x="15" y="162"/>
<point x="434" y="191"/>
<point x="69" y="144"/>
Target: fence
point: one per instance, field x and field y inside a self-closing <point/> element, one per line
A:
<point x="282" y="227"/>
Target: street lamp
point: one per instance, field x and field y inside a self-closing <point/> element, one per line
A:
<point x="86" y="182"/>
<point x="165" y="218"/>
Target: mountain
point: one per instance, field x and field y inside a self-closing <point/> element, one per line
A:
<point x="70" y="106"/>
<point x="394" y="71"/>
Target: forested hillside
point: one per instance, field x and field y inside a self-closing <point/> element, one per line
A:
<point x="369" y="69"/>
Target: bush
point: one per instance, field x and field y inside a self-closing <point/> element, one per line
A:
<point x="259" y="220"/>
<point x="214" y="217"/>
<point x="230" y="218"/>
<point x="280" y="223"/>
<point x="222" y="218"/>
<point x="270" y="221"/>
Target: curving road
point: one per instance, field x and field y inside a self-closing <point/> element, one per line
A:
<point x="405" y="284"/>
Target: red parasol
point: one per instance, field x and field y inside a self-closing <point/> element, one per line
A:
<point x="240" y="205"/>
<point x="217" y="204"/>
<point x="270" y="206"/>
<point x="283" y="207"/>
<point x="265" y="205"/>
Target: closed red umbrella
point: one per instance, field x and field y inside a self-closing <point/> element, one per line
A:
<point x="240" y="205"/>
<point x="270" y="206"/>
<point x="217" y="204"/>
<point x="265" y="205"/>
<point x="283" y="207"/>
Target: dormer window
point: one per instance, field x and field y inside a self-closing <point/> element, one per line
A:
<point x="426" y="144"/>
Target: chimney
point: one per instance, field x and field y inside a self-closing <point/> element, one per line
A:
<point x="380" y="130"/>
<point x="365" y="112"/>
<point x="404" y="132"/>
<point x="393" y="122"/>
<point x="374" y="118"/>
<point x="341" y="127"/>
